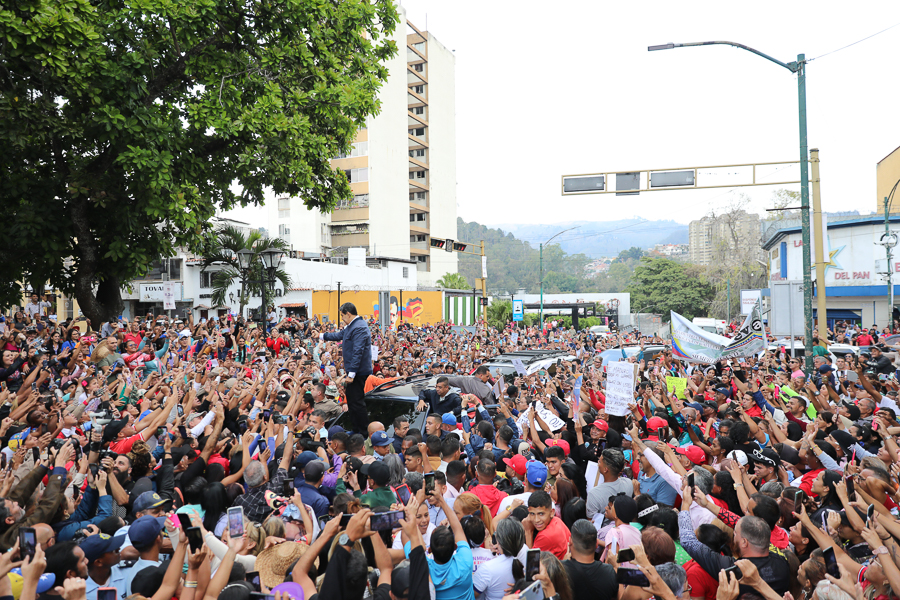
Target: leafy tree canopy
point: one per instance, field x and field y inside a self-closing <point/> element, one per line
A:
<point x="453" y="281"/>
<point x="125" y="126"/>
<point x="660" y="285"/>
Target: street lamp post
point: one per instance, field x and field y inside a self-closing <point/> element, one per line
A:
<point x="798" y="67"/>
<point x="889" y="240"/>
<point x="270" y="260"/>
<point x="542" y="269"/>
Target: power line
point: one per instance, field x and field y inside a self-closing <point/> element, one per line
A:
<point x="854" y="43"/>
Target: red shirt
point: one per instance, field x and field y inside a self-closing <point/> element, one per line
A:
<point x="554" y="538"/>
<point x="864" y="340"/>
<point x="489" y="496"/>
<point x="807" y="480"/>
<point x="779" y="538"/>
<point x="701" y="583"/>
<point x="124" y="446"/>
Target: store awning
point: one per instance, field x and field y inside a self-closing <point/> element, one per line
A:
<point x="292" y="305"/>
<point x="839" y="313"/>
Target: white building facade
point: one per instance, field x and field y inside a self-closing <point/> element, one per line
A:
<point x="402" y="169"/>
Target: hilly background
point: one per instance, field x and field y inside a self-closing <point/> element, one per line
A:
<point x="602" y="238"/>
<point x="514" y="260"/>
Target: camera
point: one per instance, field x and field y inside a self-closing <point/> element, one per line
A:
<point x="103" y="417"/>
<point x="108" y="454"/>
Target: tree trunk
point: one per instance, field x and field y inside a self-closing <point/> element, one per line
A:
<point x="107" y="302"/>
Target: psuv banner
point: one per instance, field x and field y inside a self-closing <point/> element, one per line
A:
<point x="694" y="344"/>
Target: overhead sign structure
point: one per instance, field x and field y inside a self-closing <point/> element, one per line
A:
<point x="631" y="183"/>
<point x="518" y="307"/>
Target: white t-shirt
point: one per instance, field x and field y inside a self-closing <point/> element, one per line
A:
<point x="480" y="556"/>
<point x="398" y="544"/>
<point x="493" y="577"/>
<point x="524" y="496"/>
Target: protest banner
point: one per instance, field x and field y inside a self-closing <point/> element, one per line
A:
<point x="676" y="385"/>
<point x="619" y="387"/>
<point x="691" y="343"/>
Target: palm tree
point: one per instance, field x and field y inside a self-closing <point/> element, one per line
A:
<point x="499" y="313"/>
<point x="453" y="281"/>
<point x="222" y="252"/>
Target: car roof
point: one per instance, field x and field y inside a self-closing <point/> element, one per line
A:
<point x="405" y="388"/>
<point x="526" y="356"/>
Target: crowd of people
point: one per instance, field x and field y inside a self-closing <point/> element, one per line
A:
<point x="165" y="458"/>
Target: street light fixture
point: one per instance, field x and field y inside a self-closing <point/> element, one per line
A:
<point x="542" y="269"/>
<point x="798" y="67"/>
<point x="245" y="259"/>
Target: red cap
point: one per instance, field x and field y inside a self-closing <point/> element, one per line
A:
<point x="694" y="454"/>
<point x="601" y="424"/>
<point x="518" y="464"/>
<point x="656" y="422"/>
<point x="561" y="443"/>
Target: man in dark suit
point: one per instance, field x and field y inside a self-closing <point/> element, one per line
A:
<point x="356" y="348"/>
<point x="440" y="400"/>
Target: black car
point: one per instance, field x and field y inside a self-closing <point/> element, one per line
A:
<point x="398" y="398"/>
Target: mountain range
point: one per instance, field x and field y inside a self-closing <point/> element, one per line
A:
<point x="601" y="238"/>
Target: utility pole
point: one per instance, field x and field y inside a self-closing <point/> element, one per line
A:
<point x="798" y="67"/>
<point x="728" y="293"/>
<point x="339" y="300"/>
<point x="889" y="240"/>
<point x="542" y="269"/>
<point x="483" y="283"/>
<point x="821" y="232"/>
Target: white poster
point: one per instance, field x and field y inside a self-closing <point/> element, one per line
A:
<point x="484" y="267"/>
<point x="749" y="299"/>
<point x="520" y="366"/>
<point x="552" y="421"/>
<point x="619" y="387"/>
<point x="169" y="296"/>
<point x="374" y="353"/>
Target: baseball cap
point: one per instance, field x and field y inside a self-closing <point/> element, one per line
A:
<point x="766" y="457"/>
<point x="601" y="424"/>
<point x="95" y="546"/>
<point x="655" y="423"/>
<point x="184" y="333"/>
<point x="561" y="443"/>
<point x="146" y="501"/>
<point x="536" y="473"/>
<point x="517" y="463"/>
<point x="739" y="456"/>
<point x="448" y="419"/>
<point x="144" y="531"/>
<point x="694" y="454"/>
<point x="111" y="431"/>
<point x="724" y="391"/>
<point x="314" y="470"/>
<point x="380" y="439"/>
<point x="304" y="459"/>
<point x="379" y="472"/>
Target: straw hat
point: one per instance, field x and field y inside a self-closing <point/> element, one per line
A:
<point x="272" y="563"/>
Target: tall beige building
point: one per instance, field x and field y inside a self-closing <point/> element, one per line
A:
<point x="730" y="236"/>
<point x="402" y="169"/>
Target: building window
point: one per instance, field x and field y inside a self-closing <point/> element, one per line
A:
<point x="170" y="267"/>
<point x="206" y="278"/>
<point x="419" y="67"/>
<point x="357" y="175"/>
<point x="420" y="195"/>
<point x="417" y="238"/>
<point x="421" y="259"/>
<point x="405" y="272"/>
<point x="416" y="217"/>
<point x="284" y="214"/>
<point x="357" y="149"/>
<point x="284" y="230"/>
<point x="419" y="110"/>
<point x="284" y="203"/>
<point x="419" y="89"/>
<point x="419" y="132"/>
<point x="420" y="174"/>
<point x="349" y="229"/>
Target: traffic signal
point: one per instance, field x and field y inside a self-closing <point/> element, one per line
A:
<point x="459" y="246"/>
<point x="438" y="243"/>
<point x="484" y="301"/>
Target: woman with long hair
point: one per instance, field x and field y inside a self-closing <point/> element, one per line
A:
<point x="554" y="578"/>
<point x="723" y="494"/>
<point x="493" y="577"/>
<point x="561" y="492"/>
<point x="395" y="465"/>
<point x="215" y="503"/>
<point x="467" y="504"/>
<point x="824" y="487"/>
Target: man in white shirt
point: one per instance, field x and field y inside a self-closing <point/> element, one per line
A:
<point x="535" y="476"/>
<point x="35" y="308"/>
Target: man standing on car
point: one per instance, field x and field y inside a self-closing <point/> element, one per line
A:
<point x="356" y="348"/>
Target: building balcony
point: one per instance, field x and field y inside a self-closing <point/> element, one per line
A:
<point x="350" y="214"/>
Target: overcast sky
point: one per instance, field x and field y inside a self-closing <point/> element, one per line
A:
<point x="549" y="89"/>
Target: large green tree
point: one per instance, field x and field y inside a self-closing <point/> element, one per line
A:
<point x="660" y="285"/>
<point x="453" y="281"/>
<point x="125" y="126"/>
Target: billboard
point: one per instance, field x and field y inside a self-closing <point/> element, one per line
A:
<point x="419" y="308"/>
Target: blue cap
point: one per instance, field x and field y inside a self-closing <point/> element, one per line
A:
<point x="144" y="531"/>
<point x="380" y="439"/>
<point x="625" y="436"/>
<point x="95" y="546"/>
<point x="724" y="391"/>
<point x="536" y="473"/>
<point x="146" y="501"/>
<point x="335" y="429"/>
<point x="696" y="406"/>
<point x="305" y="457"/>
<point x="448" y="419"/>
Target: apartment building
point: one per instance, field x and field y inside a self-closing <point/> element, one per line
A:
<point x="733" y="235"/>
<point x="402" y="169"/>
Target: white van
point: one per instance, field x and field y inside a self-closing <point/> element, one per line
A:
<point x="711" y="325"/>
